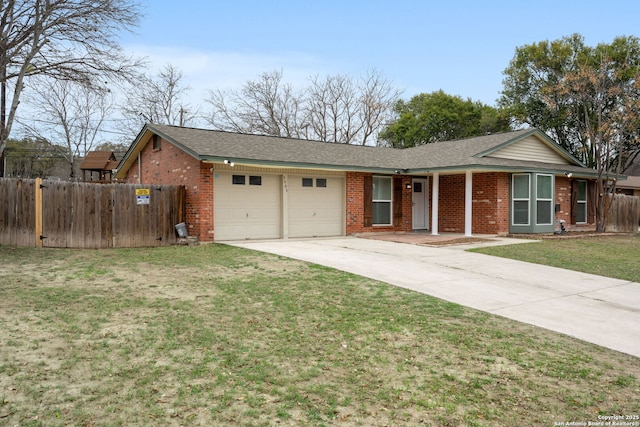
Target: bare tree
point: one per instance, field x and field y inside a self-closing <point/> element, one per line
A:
<point x="72" y="40"/>
<point x="265" y="106"/>
<point x="158" y="99"/>
<point x="377" y="99"/>
<point x="334" y="109"/>
<point x="70" y="116"/>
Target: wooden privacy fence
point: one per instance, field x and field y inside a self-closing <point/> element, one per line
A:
<point x="623" y="214"/>
<point x="80" y="215"/>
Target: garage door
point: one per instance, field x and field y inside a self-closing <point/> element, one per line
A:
<point x="315" y="206"/>
<point x="247" y="206"/>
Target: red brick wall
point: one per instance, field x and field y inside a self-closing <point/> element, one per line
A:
<point x="563" y="198"/>
<point x="490" y="203"/>
<point x="451" y="204"/>
<point x="355" y="206"/>
<point x="170" y="165"/>
<point x="407" y="204"/>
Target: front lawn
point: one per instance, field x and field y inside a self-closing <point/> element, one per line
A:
<point x="217" y="335"/>
<point x="615" y="256"/>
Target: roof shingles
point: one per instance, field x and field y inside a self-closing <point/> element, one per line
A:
<point x="215" y="145"/>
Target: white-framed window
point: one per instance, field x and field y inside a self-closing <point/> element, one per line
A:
<point x="581" y="202"/>
<point x="521" y="191"/>
<point x="382" y="191"/>
<point x="544" y="199"/>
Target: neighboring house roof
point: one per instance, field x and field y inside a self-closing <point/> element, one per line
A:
<point x="632" y="182"/>
<point x="495" y="152"/>
<point x="633" y="174"/>
<point x="99" y="161"/>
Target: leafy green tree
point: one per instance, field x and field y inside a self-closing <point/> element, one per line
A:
<point x="588" y="98"/>
<point x="528" y="93"/>
<point x="552" y="85"/>
<point x="437" y="116"/>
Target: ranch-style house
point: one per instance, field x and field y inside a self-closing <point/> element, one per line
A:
<point x="241" y="186"/>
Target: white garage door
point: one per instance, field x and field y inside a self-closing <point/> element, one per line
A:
<point x="315" y="206"/>
<point x="247" y="206"/>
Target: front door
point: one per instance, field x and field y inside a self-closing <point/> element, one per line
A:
<point x="420" y="200"/>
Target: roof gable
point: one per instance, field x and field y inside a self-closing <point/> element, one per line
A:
<point x="530" y="147"/>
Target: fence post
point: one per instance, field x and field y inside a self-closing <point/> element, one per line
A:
<point x="38" y="215"/>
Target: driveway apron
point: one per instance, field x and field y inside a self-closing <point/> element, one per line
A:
<point x="593" y="308"/>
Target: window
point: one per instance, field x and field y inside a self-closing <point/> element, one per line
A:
<point x="307" y="182"/>
<point x="255" y="180"/>
<point x="381" y="200"/>
<point x="321" y="182"/>
<point x="156" y="142"/>
<point x="520" y="209"/>
<point x="544" y="199"/>
<point x="238" y="179"/>
<point x="417" y="187"/>
<point x="581" y="203"/>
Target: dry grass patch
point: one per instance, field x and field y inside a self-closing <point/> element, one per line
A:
<point x="216" y="335"/>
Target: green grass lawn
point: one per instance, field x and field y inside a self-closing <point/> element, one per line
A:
<point x="611" y="255"/>
<point x="217" y="335"/>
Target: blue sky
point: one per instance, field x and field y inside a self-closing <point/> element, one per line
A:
<point x="461" y="47"/>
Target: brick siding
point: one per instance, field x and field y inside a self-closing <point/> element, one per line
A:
<point x="355" y="206"/>
<point x="490" y="203"/>
<point x="169" y="165"/>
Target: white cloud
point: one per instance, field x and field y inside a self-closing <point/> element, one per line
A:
<point x="204" y="71"/>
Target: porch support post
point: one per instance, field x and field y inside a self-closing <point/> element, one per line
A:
<point x="435" y="195"/>
<point x="468" y="194"/>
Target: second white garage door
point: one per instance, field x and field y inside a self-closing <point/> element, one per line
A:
<point x="315" y="206"/>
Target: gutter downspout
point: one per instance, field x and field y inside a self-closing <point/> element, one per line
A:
<point x="139" y="169"/>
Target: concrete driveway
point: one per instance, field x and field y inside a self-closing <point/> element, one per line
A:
<point x="592" y="308"/>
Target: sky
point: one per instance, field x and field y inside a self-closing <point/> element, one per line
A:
<point x="460" y="47"/>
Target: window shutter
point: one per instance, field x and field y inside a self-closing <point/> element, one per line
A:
<point x="368" y="200"/>
<point x="397" y="201"/>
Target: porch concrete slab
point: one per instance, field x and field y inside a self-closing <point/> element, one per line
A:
<point x="593" y="308"/>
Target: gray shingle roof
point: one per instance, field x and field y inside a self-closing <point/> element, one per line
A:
<point x="211" y="144"/>
<point x="258" y="149"/>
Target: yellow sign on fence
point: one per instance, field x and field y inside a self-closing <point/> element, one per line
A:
<point x="143" y="196"/>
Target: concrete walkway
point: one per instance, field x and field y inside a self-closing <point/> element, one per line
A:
<point x="593" y="308"/>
